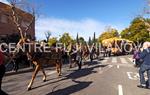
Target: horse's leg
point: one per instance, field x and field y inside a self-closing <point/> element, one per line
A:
<point x="60" y="66"/>
<point x="44" y="77"/>
<point x="57" y="67"/>
<point x="37" y="68"/>
<point x="70" y="62"/>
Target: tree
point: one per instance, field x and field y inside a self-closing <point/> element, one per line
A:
<point x="90" y="41"/>
<point x="47" y="35"/>
<point x="137" y="31"/>
<point x="109" y="33"/>
<point x="94" y="40"/>
<point x="77" y="38"/>
<point x="81" y="40"/>
<point x="52" y="41"/>
<point x="66" y="39"/>
<point x="17" y="16"/>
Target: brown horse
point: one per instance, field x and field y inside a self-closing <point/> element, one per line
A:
<point x="40" y="58"/>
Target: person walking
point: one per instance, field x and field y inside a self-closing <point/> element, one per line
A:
<point x="79" y="56"/>
<point x="2" y="72"/>
<point x="136" y="58"/>
<point x="145" y="66"/>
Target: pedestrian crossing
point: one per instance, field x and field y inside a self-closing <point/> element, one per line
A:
<point x="120" y="60"/>
<point x="114" y="60"/>
<point x="123" y="60"/>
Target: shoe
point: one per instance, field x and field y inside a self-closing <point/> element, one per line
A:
<point x="141" y="86"/>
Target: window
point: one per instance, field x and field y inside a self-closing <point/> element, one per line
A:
<point x="4" y="19"/>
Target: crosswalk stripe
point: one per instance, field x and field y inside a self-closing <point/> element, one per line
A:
<point x="114" y="60"/>
<point x="123" y="60"/>
<point x="51" y="72"/>
<point x="104" y="61"/>
<point x="118" y="60"/>
<point x="106" y="58"/>
<point x="131" y="60"/>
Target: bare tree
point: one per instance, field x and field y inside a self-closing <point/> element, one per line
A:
<point x="25" y="6"/>
<point x="146" y="11"/>
<point x="47" y="35"/>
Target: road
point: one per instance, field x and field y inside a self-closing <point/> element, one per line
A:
<point x="111" y="76"/>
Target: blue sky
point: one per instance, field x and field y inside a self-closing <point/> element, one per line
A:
<point x="84" y="16"/>
<point x="103" y="10"/>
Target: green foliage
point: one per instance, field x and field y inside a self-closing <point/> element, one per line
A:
<point x="137" y="31"/>
<point x="90" y="41"/>
<point x="94" y="40"/>
<point x="66" y="39"/>
<point x="81" y="40"/>
<point x="109" y="33"/>
<point x="52" y="41"/>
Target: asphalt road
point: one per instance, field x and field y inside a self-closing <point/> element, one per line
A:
<point x="111" y="76"/>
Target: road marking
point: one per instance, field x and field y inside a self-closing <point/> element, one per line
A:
<point x="51" y="72"/>
<point x="123" y="60"/>
<point x="120" y="90"/>
<point x="118" y="66"/>
<point x="110" y="66"/>
<point x="104" y="70"/>
<point x="114" y="60"/>
<point x="129" y="75"/>
<point x="133" y="76"/>
<point x="100" y="68"/>
<point x="130" y="59"/>
<point x="105" y="60"/>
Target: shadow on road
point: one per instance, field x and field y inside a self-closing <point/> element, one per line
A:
<point x="26" y="70"/>
<point x="71" y="89"/>
<point x="76" y="74"/>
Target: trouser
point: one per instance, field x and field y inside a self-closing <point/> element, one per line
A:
<point x="2" y="72"/>
<point x="79" y="61"/>
<point x="16" y="65"/>
<point x="137" y="62"/>
<point x="91" y="56"/>
<point x="144" y="68"/>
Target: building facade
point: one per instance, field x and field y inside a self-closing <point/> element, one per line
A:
<point x="7" y="25"/>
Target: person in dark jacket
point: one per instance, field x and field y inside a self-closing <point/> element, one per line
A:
<point x="145" y="66"/>
<point x="2" y="72"/>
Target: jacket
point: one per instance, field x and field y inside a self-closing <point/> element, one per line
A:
<point x="145" y="56"/>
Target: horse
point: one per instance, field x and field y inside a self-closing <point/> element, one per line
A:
<point x="39" y="58"/>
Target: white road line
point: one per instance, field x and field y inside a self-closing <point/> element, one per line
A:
<point x="101" y="70"/>
<point x="110" y="66"/>
<point x="51" y="72"/>
<point x="130" y="59"/>
<point x="118" y="66"/>
<point x="114" y="60"/>
<point x="123" y="60"/>
<point x="105" y="60"/>
<point x="120" y="90"/>
<point x="129" y="75"/>
<point x="133" y="76"/>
